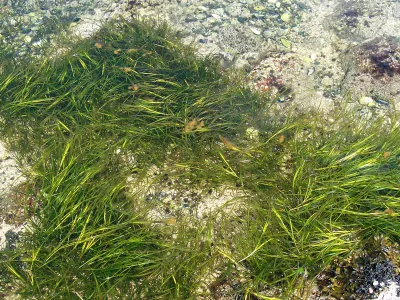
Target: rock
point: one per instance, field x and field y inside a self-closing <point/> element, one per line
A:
<point x="27" y="39"/>
<point x="234" y="38"/>
<point x="74" y="4"/>
<point x="367" y="101"/>
<point x="327" y="81"/>
<point x="255" y="31"/>
<point x="216" y="16"/>
<point x="259" y="8"/>
<point x="286" y="43"/>
<point x="252" y="133"/>
<point x="227" y="59"/>
<point x="203" y="8"/>
<point x="242" y="64"/>
<point x="378" y="57"/>
<point x="252" y="57"/>
<point x="285" y="17"/>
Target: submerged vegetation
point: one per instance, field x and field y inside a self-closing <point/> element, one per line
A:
<point x="106" y="122"/>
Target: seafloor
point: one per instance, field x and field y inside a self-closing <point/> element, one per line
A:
<point x="322" y="54"/>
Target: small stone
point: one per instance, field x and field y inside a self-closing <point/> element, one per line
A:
<point x="242" y="64"/>
<point x="74" y="4"/>
<point x="375" y="283"/>
<point x="327" y="81"/>
<point x="27" y="39"/>
<point x="252" y="57"/>
<point x="259" y="8"/>
<point x="371" y="290"/>
<point x="37" y="43"/>
<point x="241" y="19"/>
<point x="113" y="6"/>
<point x="367" y="101"/>
<point x="286" y="43"/>
<point x="255" y="30"/>
<point x="382" y="102"/>
<point x="285" y="17"/>
<point x="252" y="133"/>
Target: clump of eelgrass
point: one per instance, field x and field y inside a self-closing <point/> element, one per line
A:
<point x="130" y="90"/>
<point x="338" y="190"/>
<point x="130" y="80"/>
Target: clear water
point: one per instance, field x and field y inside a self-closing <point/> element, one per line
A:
<point x="312" y="53"/>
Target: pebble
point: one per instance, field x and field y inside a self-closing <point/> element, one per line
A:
<point x="255" y="30"/>
<point x="218" y="17"/>
<point x="327" y="81"/>
<point x="242" y="64"/>
<point x="27" y="39"/>
<point x="285" y="17"/>
<point x="204" y="41"/>
<point x="74" y="4"/>
<point x="252" y="133"/>
<point x="286" y="43"/>
<point x="382" y="102"/>
<point x="367" y="101"/>
<point x="37" y="43"/>
<point x="259" y="8"/>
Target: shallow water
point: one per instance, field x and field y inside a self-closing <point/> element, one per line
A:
<point x="316" y="51"/>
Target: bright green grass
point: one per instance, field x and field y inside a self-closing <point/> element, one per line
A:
<point x="343" y="190"/>
<point x="308" y="193"/>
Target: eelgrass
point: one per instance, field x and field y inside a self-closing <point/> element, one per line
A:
<point x="308" y="193"/>
<point x="130" y="89"/>
<point x="342" y="190"/>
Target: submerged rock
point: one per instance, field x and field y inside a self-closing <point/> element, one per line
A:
<point x="373" y="69"/>
<point x="355" y="20"/>
<point x="379" y="57"/>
